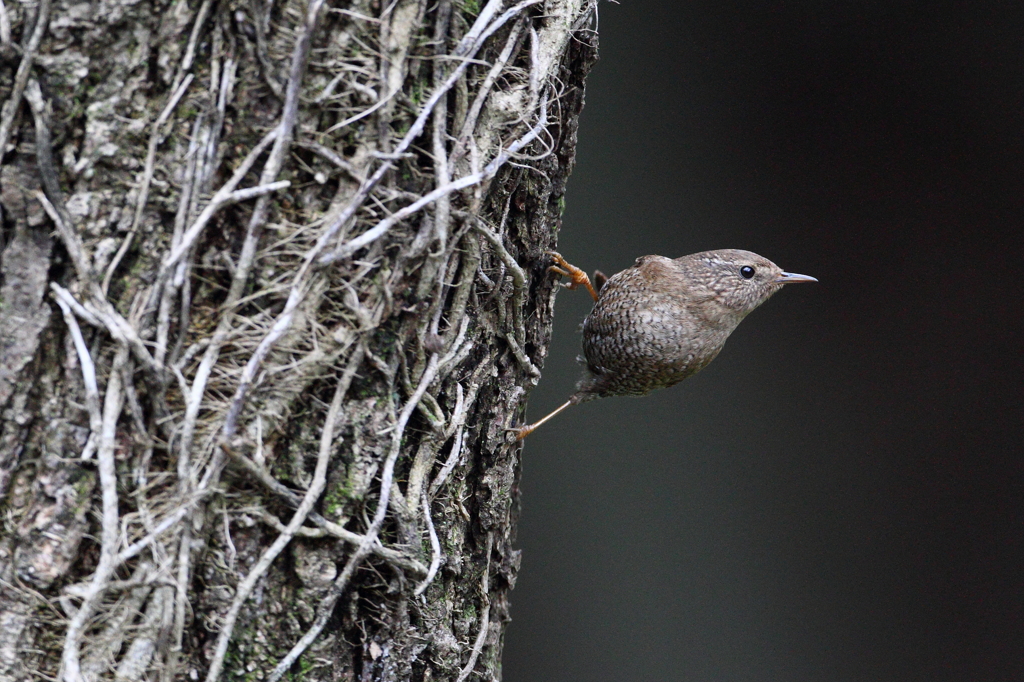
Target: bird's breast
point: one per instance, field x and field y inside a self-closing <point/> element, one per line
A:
<point x="647" y="341"/>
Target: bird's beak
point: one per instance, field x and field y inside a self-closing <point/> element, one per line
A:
<point x="793" y="278"/>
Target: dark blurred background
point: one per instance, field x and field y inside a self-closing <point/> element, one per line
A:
<point x="840" y="495"/>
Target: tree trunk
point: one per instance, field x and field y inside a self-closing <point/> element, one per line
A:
<point x="273" y="290"/>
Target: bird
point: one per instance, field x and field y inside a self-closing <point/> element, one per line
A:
<point x="663" y="320"/>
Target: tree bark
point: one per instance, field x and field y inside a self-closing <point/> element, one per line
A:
<point x="273" y="291"/>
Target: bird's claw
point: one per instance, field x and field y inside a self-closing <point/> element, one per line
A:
<point x="576" y="276"/>
<point x="521" y="432"/>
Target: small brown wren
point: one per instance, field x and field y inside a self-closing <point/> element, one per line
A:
<point x="663" y="320"/>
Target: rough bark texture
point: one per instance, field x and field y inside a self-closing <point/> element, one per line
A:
<point x="273" y="289"/>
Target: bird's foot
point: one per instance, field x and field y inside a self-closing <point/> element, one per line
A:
<point x="575" y="275"/>
<point x="522" y="432"/>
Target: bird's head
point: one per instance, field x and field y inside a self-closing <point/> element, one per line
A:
<point x="734" y="281"/>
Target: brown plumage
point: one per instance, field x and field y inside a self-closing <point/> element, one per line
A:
<point x="663" y="320"/>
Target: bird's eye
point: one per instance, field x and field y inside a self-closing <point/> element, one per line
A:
<point x="747" y="272"/>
